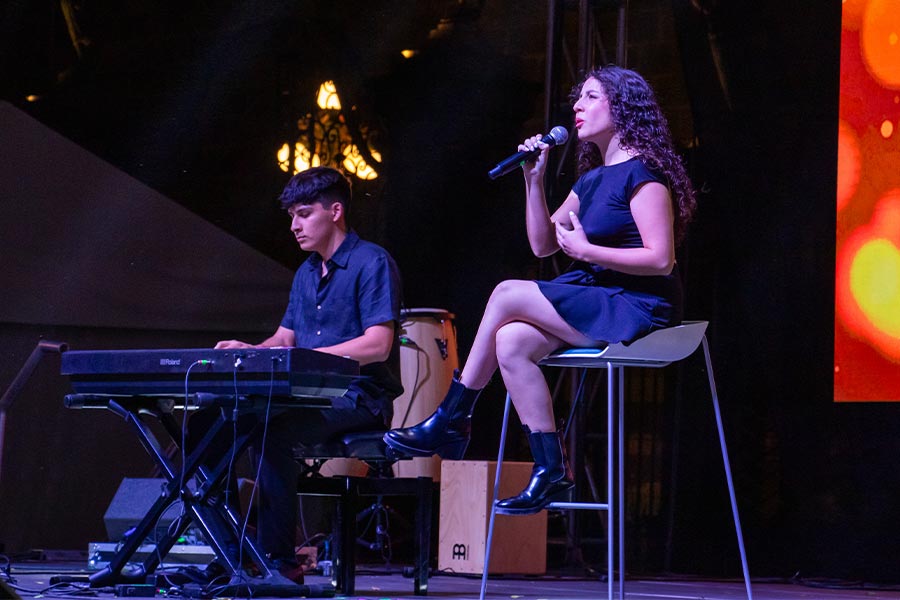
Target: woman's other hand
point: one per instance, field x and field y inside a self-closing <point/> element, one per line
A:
<point x="572" y="241"/>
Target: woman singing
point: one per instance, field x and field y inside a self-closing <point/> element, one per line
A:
<point x="620" y="225"/>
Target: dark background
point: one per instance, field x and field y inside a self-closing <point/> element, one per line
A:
<point x="194" y="99"/>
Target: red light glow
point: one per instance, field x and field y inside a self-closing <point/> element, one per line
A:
<point x="867" y="269"/>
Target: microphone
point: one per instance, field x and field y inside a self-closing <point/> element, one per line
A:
<point x="557" y="135"/>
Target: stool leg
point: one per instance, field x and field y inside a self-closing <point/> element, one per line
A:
<point x="490" y="536"/>
<point x="572" y="435"/>
<point x="423" y="535"/>
<point x="610" y="480"/>
<point x="344" y="576"/>
<point x="621" y="452"/>
<point x="734" y="507"/>
<point x="579" y="393"/>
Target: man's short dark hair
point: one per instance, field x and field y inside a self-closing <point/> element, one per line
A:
<point x="318" y="184"/>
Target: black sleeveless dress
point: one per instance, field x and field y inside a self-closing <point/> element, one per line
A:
<point x="601" y="303"/>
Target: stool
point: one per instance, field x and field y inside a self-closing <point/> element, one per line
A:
<point x="371" y="449"/>
<point x="657" y="349"/>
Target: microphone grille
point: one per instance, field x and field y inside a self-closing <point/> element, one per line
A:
<point x="559" y="135"/>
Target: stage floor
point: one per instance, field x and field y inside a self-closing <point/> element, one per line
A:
<point x="378" y="583"/>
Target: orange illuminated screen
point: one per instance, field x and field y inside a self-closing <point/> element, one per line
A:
<point x="867" y="269"/>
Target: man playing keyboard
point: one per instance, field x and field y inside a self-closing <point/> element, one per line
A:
<point x="345" y="300"/>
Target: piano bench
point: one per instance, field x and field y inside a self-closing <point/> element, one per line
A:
<point x="367" y="446"/>
<point x="349" y="491"/>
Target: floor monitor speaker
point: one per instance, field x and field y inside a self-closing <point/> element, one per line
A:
<point x="133" y="499"/>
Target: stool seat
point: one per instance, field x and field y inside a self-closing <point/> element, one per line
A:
<point x="367" y="446"/>
<point x="657" y="349"/>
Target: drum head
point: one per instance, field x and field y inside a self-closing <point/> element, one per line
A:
<point x="422" y="313"/>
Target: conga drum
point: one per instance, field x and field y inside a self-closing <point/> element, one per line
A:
<point x="428" y="357"/>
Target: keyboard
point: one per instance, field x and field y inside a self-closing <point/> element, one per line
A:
<point x="294" y="372"/>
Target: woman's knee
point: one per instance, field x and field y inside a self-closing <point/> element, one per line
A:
<point x="517" y="341"/>
<point x="506" y="293"/>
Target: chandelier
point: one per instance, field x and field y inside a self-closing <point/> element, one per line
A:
<point x="324" y="139"/>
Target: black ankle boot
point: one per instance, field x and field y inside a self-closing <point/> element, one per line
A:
<point x="445" y="433"/>
<point x="551" y="478"/>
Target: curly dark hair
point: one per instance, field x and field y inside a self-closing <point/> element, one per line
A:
<point x="642" y="129"/>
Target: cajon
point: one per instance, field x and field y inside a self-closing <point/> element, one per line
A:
<point x="520" y="542"/>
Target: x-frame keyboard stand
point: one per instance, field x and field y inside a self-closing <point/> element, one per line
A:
<point x="203" y="507"/>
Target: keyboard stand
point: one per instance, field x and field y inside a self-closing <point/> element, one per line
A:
<point x="204" y="507"/>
